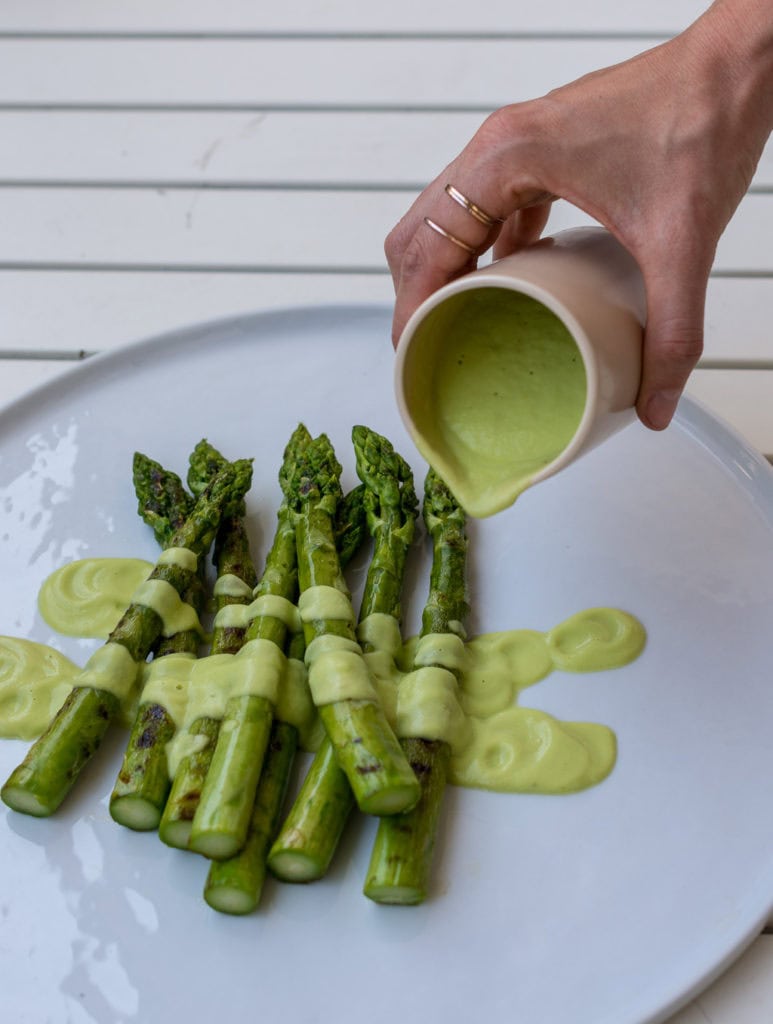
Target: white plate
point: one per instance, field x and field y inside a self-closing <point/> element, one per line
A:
<point x="611" y="906"/>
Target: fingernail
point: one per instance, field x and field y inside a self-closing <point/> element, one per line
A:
<point x="660" y="408"/>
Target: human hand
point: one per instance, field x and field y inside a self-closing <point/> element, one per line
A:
<point x="659" y="149"/>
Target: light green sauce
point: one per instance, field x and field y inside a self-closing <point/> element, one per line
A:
<point x="429" y="708"/>
<point x="191" y="688"/>
<point x="496" y="744"/>
<point x="526" y="751"/>
<point x="111" y="668"/>
<point x="595" y="640"/>
<point x="183" y="558"/>
<point x="322" y="602"/>
<point x="337" y="671"/>
<point x="466" y="693"/>
<point x="496" y="390"/>
<point x="87" y="597"/>
<point x="229" y="585"/>
<point x="34" y="682"/>
<point x="241" y="615"/>
<point x="521" y="750"/>
<point x="176" y="615"/>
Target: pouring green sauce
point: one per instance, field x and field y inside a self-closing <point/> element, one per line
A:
<point x="495" y="386"/>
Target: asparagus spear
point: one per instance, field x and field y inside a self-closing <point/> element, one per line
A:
<point x="233" y="560"/>
<point x="55" y="760"/>
<point x="142" y="785"/>
<point x="304" y="848"/>
<point x="222" y="817"/>
<point x="365" y="745"/>
<point x="162" y="501"/>
<point x="235" y="885"/>
<point x="402" y="853"/>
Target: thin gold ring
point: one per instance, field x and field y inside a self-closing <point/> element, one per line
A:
<point x="472" y="208"/>
<point x="451" y="238"/>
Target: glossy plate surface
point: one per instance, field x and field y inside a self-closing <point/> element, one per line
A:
<point x="613" y="906"/>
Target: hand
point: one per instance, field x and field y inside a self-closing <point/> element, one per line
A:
<point x="659" y="149"/>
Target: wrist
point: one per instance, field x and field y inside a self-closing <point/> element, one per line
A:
<point x="732" y="44"/>
<point x="738" y="34"/>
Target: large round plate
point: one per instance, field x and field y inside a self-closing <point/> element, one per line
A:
<point x="611" y="906"/>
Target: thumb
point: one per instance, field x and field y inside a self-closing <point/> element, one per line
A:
<point x="673" y="339"/>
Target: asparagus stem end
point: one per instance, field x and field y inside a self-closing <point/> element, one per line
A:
<point x="228" y="900"/>
<point x="295" y="866"/>
<point x="135" y="812"/>
<point x="20" y="799"/>
<point x="176" y="833"/>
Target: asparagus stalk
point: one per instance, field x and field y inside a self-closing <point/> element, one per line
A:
<point x="365" y="745"/>
<point x="401" y="858"/>
<point x="304" y="848"/>
<point x="222" y="817"/>
<point x="235" y="885"/>
<point x="142" y="784"/>
<point x="233" y="559"/>
<point x="55" y="760"/>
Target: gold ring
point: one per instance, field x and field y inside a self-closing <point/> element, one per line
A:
<point x="451" y="238"/>
<point x="472" y="208"/>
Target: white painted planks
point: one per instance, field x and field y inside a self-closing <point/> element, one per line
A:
<point x="268" y="229"/>
<point x="74" y="310"/>
<point x="269" y="73"/>
<point x="240" y="149"/>
<point x="241" y="16"/>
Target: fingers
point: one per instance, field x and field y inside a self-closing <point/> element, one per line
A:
<point x="524" y="227"/>
<point x="496" y="174"/>
<point x="673" y="339"/>
<point x="437" y="241"/>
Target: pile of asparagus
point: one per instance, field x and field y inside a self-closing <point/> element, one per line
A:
<point x="225" y="797"/>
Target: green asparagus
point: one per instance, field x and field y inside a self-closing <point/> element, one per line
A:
<point x="401" y="859"/>
<point x="222" y="817"/>
<point x="142" y="784"/>
<point x="309" y="836"/>
<point x="233" y="559"/>
<point x="235" y="885"/>
<point x="366" y="747"/>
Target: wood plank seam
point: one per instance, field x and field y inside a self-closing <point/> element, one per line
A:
<point x="386" y="35"/>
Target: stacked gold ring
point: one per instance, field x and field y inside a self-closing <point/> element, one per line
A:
<point x="451" y="238"/>
<point x="472" y="208"/>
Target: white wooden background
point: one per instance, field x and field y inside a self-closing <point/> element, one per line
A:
<point x="167" y="162"/>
